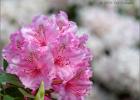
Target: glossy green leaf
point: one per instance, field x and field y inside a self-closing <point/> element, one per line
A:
<point x="10" y="78"/>
<point x="26" y="94"/>
<point x="7" y="97"/>
<point x="41" y="92"/>
<point x="5" y="64"/>
<point x="12" y="92"/>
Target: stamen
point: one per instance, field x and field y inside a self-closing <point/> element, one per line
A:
<point x="31" y="57"/>
<point x="33" y="72"/>
<point x="59" y="61"/>
<point x="57" y="81"/>
<point x="19" y="44"/>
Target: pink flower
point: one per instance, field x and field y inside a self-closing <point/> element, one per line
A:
<point x="69" y="56"/>
<point x="49" y="49"/>
<point x="46" y="98"/>
<point x="76" y="88"/>
<point x="32" y="67"/>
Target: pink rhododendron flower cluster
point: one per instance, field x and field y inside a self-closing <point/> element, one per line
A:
<point x="49" y="50"/>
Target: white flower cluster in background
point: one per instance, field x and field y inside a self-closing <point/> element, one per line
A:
<point x="115" y="40"/>
<point x="114" y="30"/>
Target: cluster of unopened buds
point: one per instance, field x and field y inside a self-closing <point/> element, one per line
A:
<point x="49" y="50"/>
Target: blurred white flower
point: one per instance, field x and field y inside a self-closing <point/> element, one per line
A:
<point x="114" y="30"/>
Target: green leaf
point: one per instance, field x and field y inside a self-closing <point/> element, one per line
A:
<point x="41" y="92"/>
<point x="5" y="64"/>
<point x="10" y="78"/>
<point x="7" y="97"/>
<point x="12" y="92"/>
<point x="1" y="94"/>
<point x="26" y="94"/>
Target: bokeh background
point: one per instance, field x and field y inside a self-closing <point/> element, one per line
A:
<point x="114" y="38"/>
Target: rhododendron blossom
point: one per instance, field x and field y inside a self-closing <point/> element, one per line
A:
<point x="75" y="88"/>
<point x="49" y="50"/>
